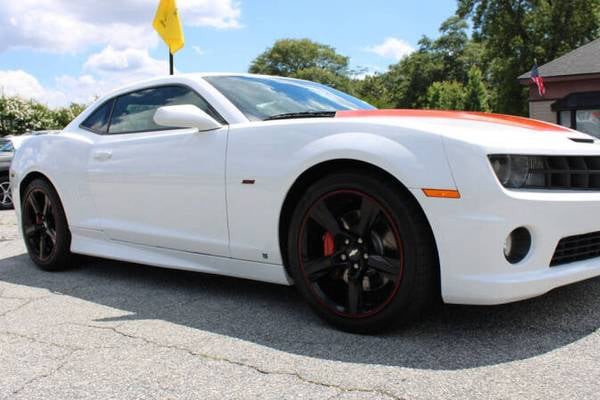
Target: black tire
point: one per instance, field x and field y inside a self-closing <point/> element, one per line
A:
<point x="416" y="282"/>
<point x="45" y="222"/>
<point x="5" y="196"/>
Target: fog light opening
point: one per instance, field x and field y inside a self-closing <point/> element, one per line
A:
<point x="517" y="245"/>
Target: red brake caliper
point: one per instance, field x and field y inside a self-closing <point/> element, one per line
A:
<point x="328" y="244"/>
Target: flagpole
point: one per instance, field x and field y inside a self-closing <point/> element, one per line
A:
<point x="170" y="63"/>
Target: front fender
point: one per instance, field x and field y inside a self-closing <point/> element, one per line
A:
<point x="274" y="156"/>
<point x="416" y="165"/>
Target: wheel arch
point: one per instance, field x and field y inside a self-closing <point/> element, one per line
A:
<point x="33" y="175"/>
<point x="316" y="172"/>
<point x="30" y="177"/>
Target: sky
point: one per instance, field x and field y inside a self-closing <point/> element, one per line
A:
<point x="62" y="51"/>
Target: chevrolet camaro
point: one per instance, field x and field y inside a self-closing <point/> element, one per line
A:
<point x="371" y="214"/>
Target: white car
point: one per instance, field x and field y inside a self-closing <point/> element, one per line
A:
<point x="372" y="214"/>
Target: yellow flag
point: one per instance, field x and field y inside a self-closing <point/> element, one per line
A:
<point x="167" y="24"/>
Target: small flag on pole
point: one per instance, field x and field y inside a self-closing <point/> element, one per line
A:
<point x="167" y="24"/>
<point x="538" y="80"/>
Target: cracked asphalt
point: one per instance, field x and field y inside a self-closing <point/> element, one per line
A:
<point x="111" y="330"/>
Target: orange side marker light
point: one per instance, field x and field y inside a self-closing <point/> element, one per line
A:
<point x="442" y="193"/>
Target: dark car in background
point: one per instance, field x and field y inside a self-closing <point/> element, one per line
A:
<point x="6" y="156"/>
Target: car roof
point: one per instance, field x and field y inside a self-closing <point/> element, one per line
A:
<point x="165" y="80"/>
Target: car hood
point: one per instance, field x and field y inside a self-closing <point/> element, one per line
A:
<point x="493" y="132"/>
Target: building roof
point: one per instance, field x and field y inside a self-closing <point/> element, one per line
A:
<point x="581" y="61"/>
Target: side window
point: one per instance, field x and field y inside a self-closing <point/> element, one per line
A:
<point x="134" y="112"/>
<point x="98" y="120"/>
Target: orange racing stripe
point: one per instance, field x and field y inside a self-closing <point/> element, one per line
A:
<point x="508" y="120"/>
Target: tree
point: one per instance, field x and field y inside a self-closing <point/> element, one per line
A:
<point x="476" y="93"/>
<point x="514" y="33"/>
<point x="18" y="116"/>
<point x="373" y="90"/>
<point x="63" y="116"/>
<point x="447" y="58"/>
<point x="447" y="95"/>
<point x="290" y="56"/>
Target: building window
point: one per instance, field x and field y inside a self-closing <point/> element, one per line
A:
<point x="565" y="119"/>
<point x="588" y="121"/>
<point x="580" y="111"/>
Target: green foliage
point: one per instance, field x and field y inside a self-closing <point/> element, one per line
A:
<point x="454" y="95"/>
<point x="514" y="33"/>
<point x="447" y="58"/>
<point x="290" y="56"/>
<point x="373" y="90"/>
<point x="63" y="116"/>
<point x="476" y="93"/>
<point x="18" y="116"/>
<point x="447" y="95"/>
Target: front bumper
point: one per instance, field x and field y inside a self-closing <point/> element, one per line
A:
<point x="470" y="238"/>
<point x="470" y="233"/>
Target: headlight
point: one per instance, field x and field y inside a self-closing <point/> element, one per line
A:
<point x="516" y="172"/>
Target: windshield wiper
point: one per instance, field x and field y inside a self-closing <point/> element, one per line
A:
<point x="305" y="114"/>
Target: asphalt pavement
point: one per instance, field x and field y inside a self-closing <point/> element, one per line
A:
<point x="111" y="330"/>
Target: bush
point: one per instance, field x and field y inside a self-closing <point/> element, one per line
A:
<point x="18" y="116"/>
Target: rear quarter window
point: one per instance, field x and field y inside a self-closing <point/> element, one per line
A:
<point x="98" y="120"/>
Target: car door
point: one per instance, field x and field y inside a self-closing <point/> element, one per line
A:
<point x="160" y="186"/>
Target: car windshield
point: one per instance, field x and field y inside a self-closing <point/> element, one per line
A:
<point x="263" y="98"/>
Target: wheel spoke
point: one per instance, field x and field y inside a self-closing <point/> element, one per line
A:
<point x="34" y="204"/>
<point x="368" y="214"/>
<point x="52" y="235"/>
<point x="42" y="246"/>
<point x="323" y="216"/>
<point x="318" y="268"/>
<point x="385" y="265"/>
<point x="354" y="295"/>
<point x="46" y="205"/>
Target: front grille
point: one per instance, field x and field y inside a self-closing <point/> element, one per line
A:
<point x="567" y="173"/>
<point x="576" y="248"/>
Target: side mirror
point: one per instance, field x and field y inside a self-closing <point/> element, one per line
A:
<point x="185" y="116"/>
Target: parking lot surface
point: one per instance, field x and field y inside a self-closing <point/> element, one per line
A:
<point x="111" y="330"/>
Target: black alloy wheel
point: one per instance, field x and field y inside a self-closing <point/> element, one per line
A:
<point x="361" y="252"/>
<point x="44" y="226"/>
<point x="356" y="268"/>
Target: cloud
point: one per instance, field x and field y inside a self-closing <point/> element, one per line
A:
<point x="109" y="69"/>
<point x="393" y="48"/>
<point x="102" y="72"/>
<point x="121" y="28"/>
<point x="131" y="61"/>
<point x="68" y="26"/>
<point x="221" y="14"/>
<point x="20" y="83"/>
<point x="199" y="50"/>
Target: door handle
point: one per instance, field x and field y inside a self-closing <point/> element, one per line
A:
<point x="103" y="155"/>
